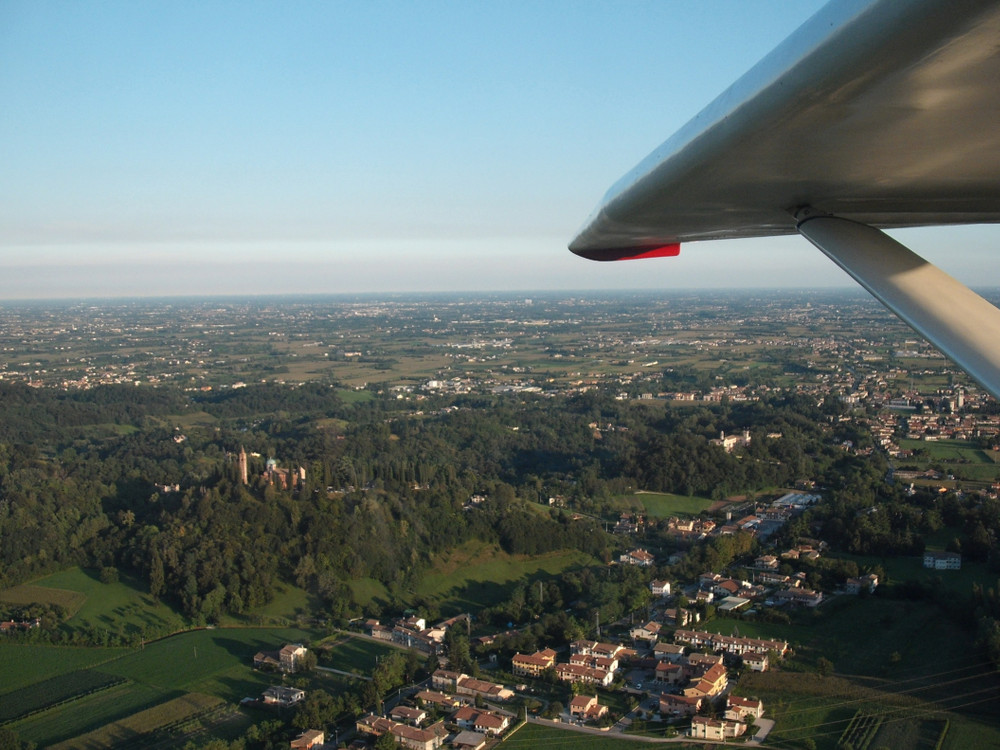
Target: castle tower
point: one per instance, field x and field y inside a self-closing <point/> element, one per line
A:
<point x="241" y="464"/>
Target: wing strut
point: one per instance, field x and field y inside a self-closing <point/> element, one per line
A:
<point x="951" y="316"/>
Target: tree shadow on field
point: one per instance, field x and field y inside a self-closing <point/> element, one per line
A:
<point x="245" y="650"/>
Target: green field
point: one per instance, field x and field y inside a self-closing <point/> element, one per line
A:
<point x="289" y="602"/>
<point x="28" y="593"/>
<point x="22" y="664"/>
<point x="957" y="582"/>
<point x="663" y="504"/>
<point x="215" y="663"/>
<point x="351" y="654"/>
<point x="366" y="590"/>
<point x="960" y="458"/>
<point x="124" y="607"/>
<point x="544" y="737"/>
<point x="478" y="575"/>
<point x="130" y="729"/>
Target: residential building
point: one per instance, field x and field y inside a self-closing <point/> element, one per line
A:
<point x="586" y="708"/>
<point x="703" y="727"/>
<point x="710" y="683"/>
<point x="407" y="715"/>
<point x="756" y="662"/>
<point x="442" y="679"/>
<point x="942" y="560"/>
<point x="669" y="651"/>
<point x="583" y="674"/>
<point x="488" y="690"/>
<point x="800" y="597"/>
<point x="659" y="588"/>
<point x="744" y="709"/>
<point x="437" y="699"/>
<point x="639" y="557"/>
<point x="863" y="583"/>
<point x="532" y="665"/>
<point x="283" y="696"/>
<point x="469" y="740"/>
<point x="308" y="740"/>
<point x="680" y="705"/>
<point x="648" y="632"/>
<point x="490" y="723"/>
<point x="291" y="656"/>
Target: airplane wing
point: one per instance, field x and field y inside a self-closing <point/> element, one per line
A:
<point x="874" y="114"/>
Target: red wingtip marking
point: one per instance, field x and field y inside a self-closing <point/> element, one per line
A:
<point x="632" y="253"/>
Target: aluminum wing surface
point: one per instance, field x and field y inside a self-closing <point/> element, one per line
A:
<point x="874" y="114"/>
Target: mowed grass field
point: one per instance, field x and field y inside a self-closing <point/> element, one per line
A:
<point x="478" y="575"/>
<point x="663" y="504"/>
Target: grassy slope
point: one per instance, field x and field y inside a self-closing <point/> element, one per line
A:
<point x="664" y="504"/>
<point x="478" y="575"/>
<point x="118" y="606"/>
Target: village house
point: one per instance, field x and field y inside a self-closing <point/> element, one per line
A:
<point x="669" y="673"/>
<point x="669" y="651"/>
<point x="743" y="709"/>
<point x="10" y="626"/>
<point x="648" y="632"/>
<point x="756" y="662"/>
<point x="586" y="708"/>
<point x="532" y="665"/>
<point x="639" y="557"/>
<point x="705" y="728"/>
<point x="468" y="740"/>
<point x="659" y="588"/>
<point x="308" y="740"/>
<point x="409" y="737"/>
<point x="606" y="663"/>
<point x="673" y="706"/>
<point x="466" y="685"/>
<point x="432" y="697"/>
<point x="490" y="723"/>
<point x="710" y="683"/>
<point x="407" y="715"/>
<point x="704" y="660"/>
<point x="681" y="617"/>
<point x="596" y="648"/>
<point x="287" y="659"/>
<point x="798" y="597"/>
<point x="278" y="695"/>
<point x="942" y="560"/>
<point x="766" y="562"/>
<point x="442" y="679"/>
<point x="584" y="674"/>
<point x="866" y="583"/>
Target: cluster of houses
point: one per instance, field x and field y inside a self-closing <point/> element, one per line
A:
<point x="690" y="683"/>
<point x="454" y="693"/>
<point x="590" y="663"/>
<point x="12" y="626"/>
<point x="413" y="632"/>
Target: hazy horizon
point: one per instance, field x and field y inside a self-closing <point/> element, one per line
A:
<point x="224" y="148"/>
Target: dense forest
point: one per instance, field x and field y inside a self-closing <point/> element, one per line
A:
<point x="100" y="478"/>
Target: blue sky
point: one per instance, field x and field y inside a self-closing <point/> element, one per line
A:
<point x="160" y="148"/>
